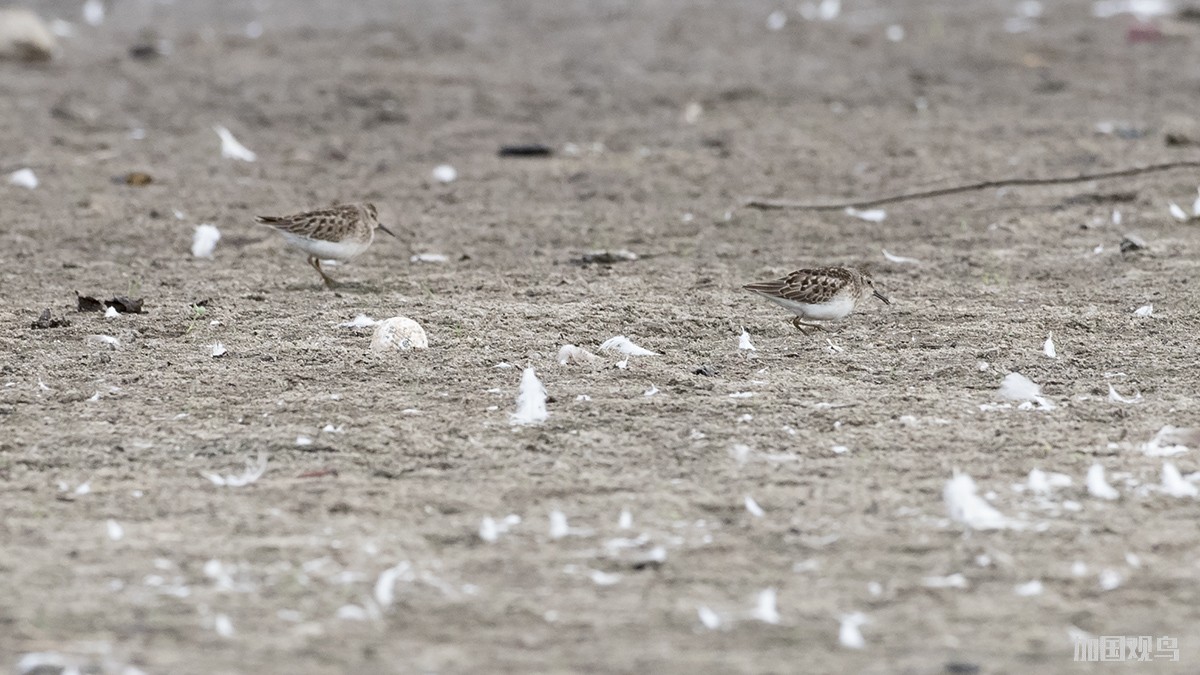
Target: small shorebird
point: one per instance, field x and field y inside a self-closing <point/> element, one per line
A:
<point x="337" y="233"/>
<point x="824" y="294"/>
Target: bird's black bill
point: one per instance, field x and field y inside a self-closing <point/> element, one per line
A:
<point x="386" y="230"/>
<point x="883" y="297"/>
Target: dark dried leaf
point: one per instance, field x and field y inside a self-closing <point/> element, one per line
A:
<point x="86" y="303"/>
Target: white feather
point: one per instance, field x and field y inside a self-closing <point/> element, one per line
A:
<point x="1174" y="484"/>
<point x="25" y="178"/>
<point x="1177" y="212"/>
<point x="1097" y="484"/>
<point x="849" y="635"/>
<point x="764" y="608"/>
<point x="744" y="341"/>
<point x="869" y="215"/>
<point x="1118" y="398"/>
<point x="753" y="507"/>
<point x="1048" y="347"/>
<point x="1144" y="311"/>
<point x="625" y="346"/>
<point x="231" y="148"/>
<point x="900" y="260"/>
<point x="531" y="400"/>
<point x="252" y="473"/>
<point x="572" y="354"/>
<point x="966" y="507"/>
<point x="204" y="240"/>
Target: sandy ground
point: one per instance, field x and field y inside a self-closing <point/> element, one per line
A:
<point x="115" y="551"/>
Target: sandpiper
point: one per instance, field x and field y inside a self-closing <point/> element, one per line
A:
<point x="823" y="294"/>
<point x="337" y="233"/>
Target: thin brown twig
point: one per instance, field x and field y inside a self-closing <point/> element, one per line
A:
<point x="866" y="202"/>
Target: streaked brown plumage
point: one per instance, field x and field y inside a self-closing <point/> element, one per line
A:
<point x="337" y="233"/>
<point x="820" y="294"/>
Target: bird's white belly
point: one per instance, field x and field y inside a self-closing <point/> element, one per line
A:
<point x="837" y="308"/>
<point x="328" y="250"/>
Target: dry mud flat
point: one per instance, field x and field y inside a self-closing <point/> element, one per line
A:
<point x="360" y="549"/>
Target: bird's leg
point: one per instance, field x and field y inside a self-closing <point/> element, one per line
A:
<point x="316" y="265"/>
<point x="801" y="325"/>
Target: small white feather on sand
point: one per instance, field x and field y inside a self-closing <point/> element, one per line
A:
<point x="114" y="529"/>
<point x="1177" y="212"/>
<point x="849" y="635"/>
<point x="488" y="531"/>
<point x="444" y="173"/>
<point x="625" y="346"/>
<point x="1173" y="483"/>
<point x="571" y="354"/>
<point x="710" y="619"/>
<point x="204" y="240"/>
<point x="956" y="580"/>
<point x="432" y="258"/>
<point x="531" y="401"/>
<point x="899" y="259"/>
<point x="106" y="340"/>
<point x="111" y="313"/>
<point x="231" y="148"/>
<point x="1029" y="588"/>
<point x="93" y="12"/>
<point x="869" y="215"/>
<point x="1017" y="387"/>
<point x="744" y="342"/>
<point x="1048" y="347"/>
<point x="966" y="507"/>
<point x="25" y="178"/>
<point x="1110" y="579"/>
<point x="604" y="578"/>
<point x="1116" y="397"/>
<point x="359" y="321"/>
<point x="223" y="626"/>
<point x="764" y="607"/>
<point x="753" y="507"/>
<point x="559" y="527"/>
<point x="625" y="521"/>
<point x="252" y="473"/>
<point x="1097" y="484"/>
<point x="1144" y="311"/>
<point x="1170" y="441"/>
<point x="217" y="349"/>
<point x="385" y="584"/>
<point x="1043" y="483"/>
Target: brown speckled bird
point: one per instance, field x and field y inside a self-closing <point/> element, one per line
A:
<point x="824" y="294"/>
<point x="337" y="233"/>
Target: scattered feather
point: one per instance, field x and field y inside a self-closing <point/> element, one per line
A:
<point x="604" y="578"/>
<point x="444" y="173"/>
<point x="740" y="452"/>
<point x="1177" y="212"/>
<point x="93" y="12"/>
<point x="223" y="626"/>
<point x="1048" y="347"/>
<point x="531" y="401"/>
<point x="1169" y="441"/>
<point x="1017" y="387"/>
<point x="1029" y="589"/>
<point x="303" y="441"/>
<point x="967" y="507"/>
<point x="558" y="525"/>
<point x="1173" y="483"/>
<point x="1117" y="398"/>
<point x="360" y="321"/>
<point x="351" y="613"/>
<point x="710" y="619"/>
<point x="625" y="346"/>
<point x="776" y="20"/>
<point x="764" y="608"/>
<point x="744" y="341"/>
<point x="430" y="258"/>
<point x="252" y="473"/>
<point x="217" y="349"/>
<point x="1110" y="579"/>
<point x="1144" y="311"/>
<point x="385" y="585"/>
<point x="753" y="507"/>
<point x="106" y="340"/>
<point x="1097" y="485"/>
<point x="231" y="148"/>
<point x="894" y="33"/>
<point x="204" y="240"/>
<point x="625" y="521"/>
<point x="111" y="313"/>
<point x="488" y="531"/>
<point x="741" y="394"/>
<point x="956" y="580"/>
<point x="833" y="349"/>
<point x="849" y="635"/>
<point x="25" y="178"/>
<point x="117" y="533"/>
<point x="840" y="449"/>
<point x="651" y="391"/>
<point x="1043" y="483"/>
<point x="572" y="354"/>
<point x="900" y="260"/>
<point x="869" y="215"/>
